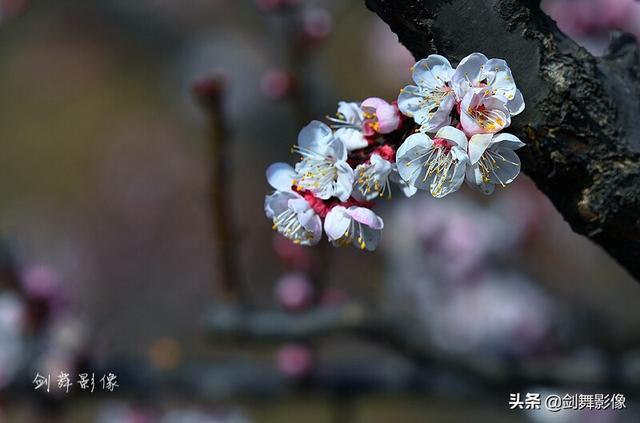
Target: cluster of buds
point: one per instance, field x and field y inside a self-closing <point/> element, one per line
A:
<point x="441" y="131"/>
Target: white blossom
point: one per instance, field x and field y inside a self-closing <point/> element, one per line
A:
<point x="372" y="178"/>
<point x="323" y="169"/>
<point x="355" y="225"/>
<point x="292" y="215"/>
<point x="481" y="114"/>
<point x="492" y="160"/>
<point x="465" y="108"/>
<point x="432" y="99"/>
<point x="348" y="124"/>
<point x="438" y="164"/>
<point x="354" y="123"/>
<point x="489" y="76"/>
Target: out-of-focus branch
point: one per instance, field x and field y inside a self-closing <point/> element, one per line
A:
<point x="580" y="124"/>
<point x="9" y="278"/>
<point x="406" y="338"/>
<point x="210" y="94"/>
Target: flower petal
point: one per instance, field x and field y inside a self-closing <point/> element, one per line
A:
<point x="336" y="223"/>
<point x="467" y="73"/>
<point x="477" y="146"/>
<point x="506" y="168"/>
<point x="344" y="181"/>
<point x="432" y="72"/>
<point x="276" y="203"/>
<point x="407" y="190"/>
<point x="453" y="134"/>
<point x="371" y="238"/>
<point x="442" y="184"/>
<point x="470" y="125"/>
<point x="388" y="118"/>
<point x="373" y="103"/>
<point x="365" y="216"/>
<point x="516" y="103"/>
<point x="441" y="117"/>
<point x="418" y="140"/>
<point x="298" y="204"/>
<point x="483" y="114"/>
<point x="307" y="218"/>
<point x="314" y="225"/>
<point x="475" y="180"/>
<point x="382" y="167"/>
<point x="315" y="135"/>
<point x="498" y="115"/>
<point x="353" y="139"/>
<point x="280" y="176"/>
<point x="499" y="78"/>
<point x="410" y="100"/>
<point x="336" y="149"/>
<point x="505" y="140"/>
<point x="351" y="111"/>
<point x="414" y="146"/>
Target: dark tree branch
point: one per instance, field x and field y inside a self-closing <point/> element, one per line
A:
<point x="405" y="338"/>
<point x="210" y="93"/>
<point x="581" y="121"/>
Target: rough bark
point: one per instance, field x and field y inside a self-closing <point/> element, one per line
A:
<point x="581" y="121"/>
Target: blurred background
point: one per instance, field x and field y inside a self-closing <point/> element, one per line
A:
<point x="109" y="261"/>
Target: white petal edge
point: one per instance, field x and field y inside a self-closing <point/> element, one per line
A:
<point x="280" y="176"/>
<point x="432" y="72"/>
<point x="477" y="146"/>
<point x="336" y="223"/>
<point x="453" y="134"/>
<point x="314" y="134"/>
<point x="366" y="217"/>
<point x="507" y="140"/>
<point x="516" y="104"/>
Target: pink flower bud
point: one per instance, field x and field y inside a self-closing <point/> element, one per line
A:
<point x="294" y="360"/>
<point x="316" y="24"/>
<point x="209" y="91"/>
<point x="41" y="282"/>
<point x="294" y="291"/>
<point x="277" y="84"/>
<point x="386" y="116"/>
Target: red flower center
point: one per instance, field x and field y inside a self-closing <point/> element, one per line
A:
<point x="323" y="207"/>
<point x="386" y="152"/>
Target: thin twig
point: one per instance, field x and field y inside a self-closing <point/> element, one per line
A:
<point x="210" y="93"/>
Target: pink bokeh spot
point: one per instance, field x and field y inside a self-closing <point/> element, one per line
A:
<point x="40" y="281"/>
<point x="294" y="291"/>
<point x="294" y="360"/>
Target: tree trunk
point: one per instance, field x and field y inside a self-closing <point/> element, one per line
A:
<point x="582" y="117"/>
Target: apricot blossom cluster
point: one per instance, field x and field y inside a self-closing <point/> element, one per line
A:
<point x="441" y="131"/>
